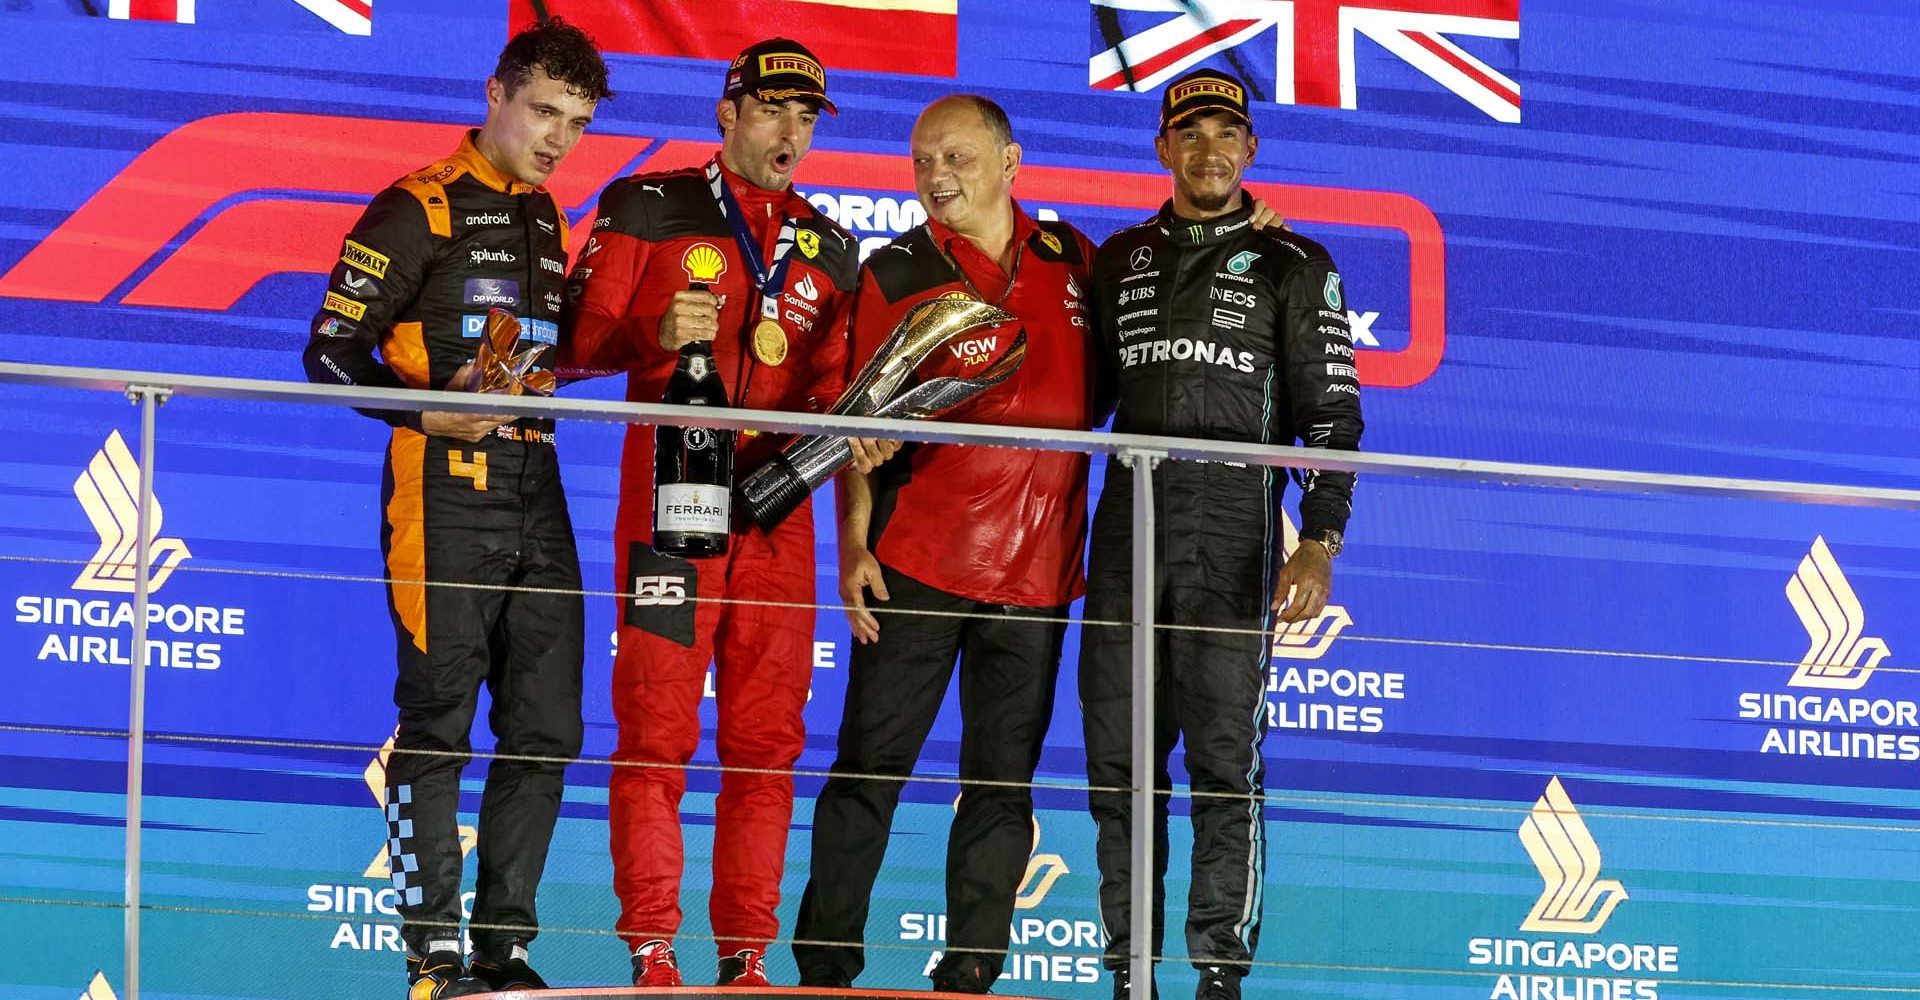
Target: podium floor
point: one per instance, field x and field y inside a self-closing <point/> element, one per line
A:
<point x="730" y="993"/>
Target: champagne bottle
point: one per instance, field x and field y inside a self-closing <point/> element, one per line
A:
<point x="692" y="466"/>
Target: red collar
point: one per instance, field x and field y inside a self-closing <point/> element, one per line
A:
<point x="965" y="249"/>
<point x="753" y="199"/>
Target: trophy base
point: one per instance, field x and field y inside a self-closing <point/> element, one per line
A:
<point x="772" y="492"/>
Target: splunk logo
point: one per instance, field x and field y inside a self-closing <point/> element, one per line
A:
<point x="99" y="630"/>
<point x="1839" y="657"/>
<point x="375" y="933"/>
<point x="1039" y="933"/>
<point x="1573" y="899"/>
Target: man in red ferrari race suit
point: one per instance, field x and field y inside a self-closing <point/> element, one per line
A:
<point x="632" y="309"/>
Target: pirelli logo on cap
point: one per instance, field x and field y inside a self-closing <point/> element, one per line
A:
<point x="787" y="62"/>
<point x="345" y="306"/>
<point x="1195" y="88"/>
<point x="371" y="261"/>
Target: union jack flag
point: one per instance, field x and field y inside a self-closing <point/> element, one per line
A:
<point x="1141" y="44"/>
<point x="355" y="17"/>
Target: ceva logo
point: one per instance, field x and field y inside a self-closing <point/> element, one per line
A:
<point x="109" y="491"/>
<point x="1834" y="619"/>
<point x="1574" y="899"/>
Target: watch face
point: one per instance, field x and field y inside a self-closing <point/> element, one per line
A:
<point x="1331" y="539"/>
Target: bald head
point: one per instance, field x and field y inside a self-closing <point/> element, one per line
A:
<point x="964" y="162"/>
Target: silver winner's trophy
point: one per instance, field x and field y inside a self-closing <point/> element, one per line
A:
<point x="887" y="387"/>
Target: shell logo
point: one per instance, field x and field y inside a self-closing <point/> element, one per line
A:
<point x="704" y="263"/>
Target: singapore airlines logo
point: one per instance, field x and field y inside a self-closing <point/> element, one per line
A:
<point x="1310" y="639"/>
<point x="99" y="989"/>
<point x="1043" y="870"/>
<point x="381" y="868"/>
<point x="109" y="491"/>
<point x="1834" y="619"/>
<point x="1574" y="899"/>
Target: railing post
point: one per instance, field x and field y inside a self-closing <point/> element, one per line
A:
<point x="149" y="397"/>
<point x="1144" y="594"/>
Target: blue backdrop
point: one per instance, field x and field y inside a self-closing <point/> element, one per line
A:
<point x="1675" y="237"/>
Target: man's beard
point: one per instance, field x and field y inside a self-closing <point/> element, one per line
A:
<point x="1211" y="202"/>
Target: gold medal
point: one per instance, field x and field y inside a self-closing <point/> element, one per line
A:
<point x="770" y="343"/>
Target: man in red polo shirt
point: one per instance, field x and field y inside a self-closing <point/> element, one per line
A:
<point x="990" y="536"/>
<point x="777" y="281"/>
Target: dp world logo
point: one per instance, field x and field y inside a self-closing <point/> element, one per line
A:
<point x="1574" y="898"/>
<point x="109" y="491"/>
<point x="1834" y="619"/>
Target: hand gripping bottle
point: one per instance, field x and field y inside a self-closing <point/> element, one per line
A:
<point x="692" y="466"/>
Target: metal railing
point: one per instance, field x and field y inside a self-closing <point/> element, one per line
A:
<point x="1141" y="454"/>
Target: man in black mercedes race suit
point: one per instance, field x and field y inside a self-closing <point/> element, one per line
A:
<point x="1209" y="328"/>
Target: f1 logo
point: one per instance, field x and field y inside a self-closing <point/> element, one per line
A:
<point x="659" y="591"/>
<point x="234" y="166"/>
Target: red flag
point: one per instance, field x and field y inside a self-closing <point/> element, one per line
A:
<point x="882" y="36"/>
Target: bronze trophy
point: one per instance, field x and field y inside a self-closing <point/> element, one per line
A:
<point x="500" y="367"/>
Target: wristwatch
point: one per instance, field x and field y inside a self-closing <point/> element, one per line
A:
<point x="1327" y="537"/>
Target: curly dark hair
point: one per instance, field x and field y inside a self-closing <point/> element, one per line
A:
<point x="565" y="52"/>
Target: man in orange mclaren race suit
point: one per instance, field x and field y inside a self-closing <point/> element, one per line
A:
<point x="472" y="499"/>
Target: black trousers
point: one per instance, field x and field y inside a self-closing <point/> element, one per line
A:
<point x="1009" y="666"/>
<point x="1209" y="689"/>
<point x="490" y="513"/>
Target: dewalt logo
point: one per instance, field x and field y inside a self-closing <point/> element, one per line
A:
<point x="1574" y="898"/>
<point x="109" y="491"/>
<point x="1834" y="619"/>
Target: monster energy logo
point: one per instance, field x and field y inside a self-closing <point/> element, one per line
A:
<point x="1196" y="232"/>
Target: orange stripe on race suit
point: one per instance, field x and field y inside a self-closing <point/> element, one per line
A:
<point x="407" y="538"/>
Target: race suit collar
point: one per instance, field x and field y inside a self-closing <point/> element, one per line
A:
<point x="469" y="158"/>
<point x="759" y="204"/>
<point x="1218" y="229"/>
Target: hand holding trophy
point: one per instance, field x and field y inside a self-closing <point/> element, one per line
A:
<point x="500" y="367"/>
<point x="891" y="385"/>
